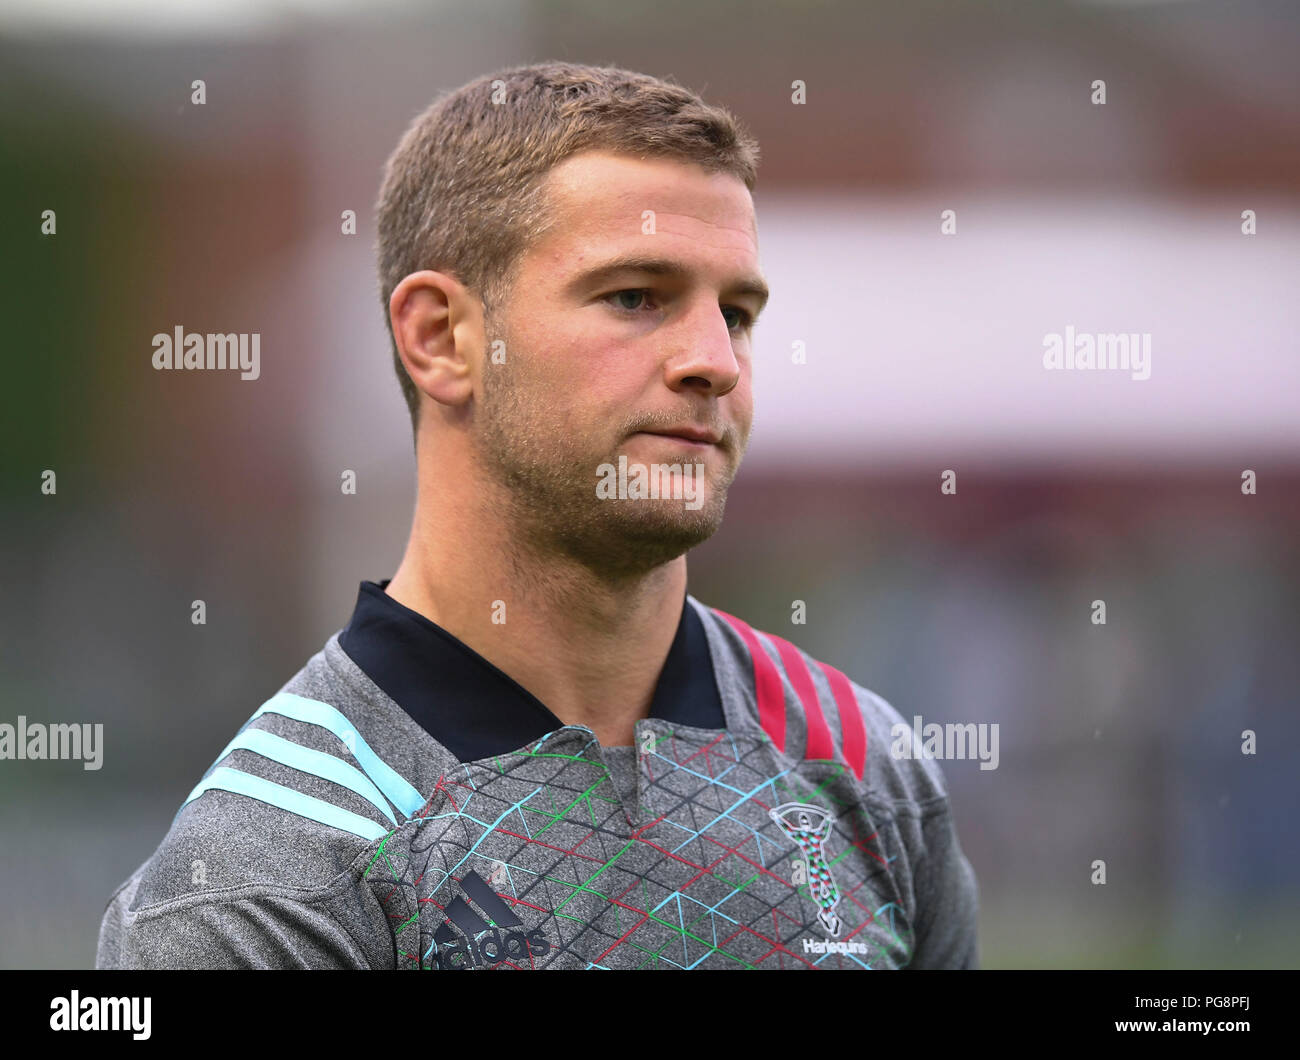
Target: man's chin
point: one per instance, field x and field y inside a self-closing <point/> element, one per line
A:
<point x="636" y="536"/>
<point x="668" y="522"/>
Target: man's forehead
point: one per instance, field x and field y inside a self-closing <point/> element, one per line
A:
<point x="615" y="195"/>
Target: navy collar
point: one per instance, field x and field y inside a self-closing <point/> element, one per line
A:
<point x="476" y="710"/>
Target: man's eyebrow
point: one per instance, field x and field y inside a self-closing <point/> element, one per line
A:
<point x="607" y="270"/>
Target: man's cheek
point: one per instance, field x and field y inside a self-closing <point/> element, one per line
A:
<point x="567" y="426"/>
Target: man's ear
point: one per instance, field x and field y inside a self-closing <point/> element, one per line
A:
<point x="438" y="328"/>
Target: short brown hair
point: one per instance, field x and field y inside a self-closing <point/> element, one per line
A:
<point x="461" y="192"/>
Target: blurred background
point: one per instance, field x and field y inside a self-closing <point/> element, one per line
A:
<point x="923" y="351"/>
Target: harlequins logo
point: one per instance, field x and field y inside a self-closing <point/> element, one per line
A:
<point x="455" y="951"/>
<point x="810" y="827"/>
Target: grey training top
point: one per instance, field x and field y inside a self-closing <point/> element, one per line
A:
<point x="402" y="803"/>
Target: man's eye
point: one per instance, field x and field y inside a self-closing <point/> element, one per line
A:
<point x="740" y="317"/>
<point x="635" y="294"/>
<point x="633" y="298"/>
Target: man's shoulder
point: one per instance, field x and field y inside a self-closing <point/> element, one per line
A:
<point x="294" y="800"/>
<point x="265" y="862"/>
<point x="813" y="711"/>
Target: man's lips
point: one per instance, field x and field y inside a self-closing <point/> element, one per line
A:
<point x="694" y="435"/>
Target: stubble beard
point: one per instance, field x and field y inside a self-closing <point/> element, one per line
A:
<point x="545" y="488"/>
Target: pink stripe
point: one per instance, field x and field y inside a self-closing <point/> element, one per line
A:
<point x="852" y="730"/>
<point x="820" y="744"/>
<point x="767" y="683"/>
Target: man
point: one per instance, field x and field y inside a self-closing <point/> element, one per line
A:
<point x="531" y="748"/>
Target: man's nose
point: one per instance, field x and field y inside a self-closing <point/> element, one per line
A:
<point x="703" y="357"/>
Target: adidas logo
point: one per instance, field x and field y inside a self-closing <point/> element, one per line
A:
<point x="453" y="951"/>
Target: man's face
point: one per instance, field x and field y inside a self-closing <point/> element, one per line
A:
<point x="600" y="355"/>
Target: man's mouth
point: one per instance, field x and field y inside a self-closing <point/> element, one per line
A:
<point x="700" y="437"/>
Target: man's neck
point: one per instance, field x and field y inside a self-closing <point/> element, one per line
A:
<point x="589" y="648"/>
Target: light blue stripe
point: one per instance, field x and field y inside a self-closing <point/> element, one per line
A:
<point x="395" y="787"/>
<point x="241" y="783"/>
<point x="307" y="760"/>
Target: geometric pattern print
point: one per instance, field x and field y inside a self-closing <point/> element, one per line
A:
<point x="700" y="876"/>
